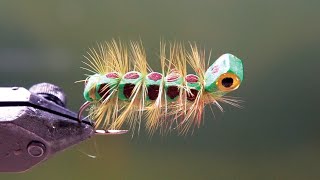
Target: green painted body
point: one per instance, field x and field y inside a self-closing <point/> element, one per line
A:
<point x="125" y="81"/>
<point x="111" y="82"/>
<point x="178" y="83"/>
<point x="225" y="63"/>
<point x="149" y="82"/>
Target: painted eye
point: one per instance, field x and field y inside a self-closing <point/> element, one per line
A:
<point x="228" y="82"/>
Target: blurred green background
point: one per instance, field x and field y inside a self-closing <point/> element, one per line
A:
<point x="276" y="135"/>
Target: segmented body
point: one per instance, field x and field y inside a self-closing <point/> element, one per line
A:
<point x="171" y="99"/>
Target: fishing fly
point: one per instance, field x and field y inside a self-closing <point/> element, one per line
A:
<point x="123" y="90"/>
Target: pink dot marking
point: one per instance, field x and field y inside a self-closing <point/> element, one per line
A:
<point x="155" y="76"/>
<point x="191" y="78"/>
<point x="131" y="75"/>
<point x="215" y="69"/>
<point x="112" y="75"/>
<point x="173" y="77"/>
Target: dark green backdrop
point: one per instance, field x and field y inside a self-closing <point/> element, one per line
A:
<point x="276" y="135"/>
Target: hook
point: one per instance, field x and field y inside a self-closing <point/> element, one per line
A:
<point x="98" y="132"/>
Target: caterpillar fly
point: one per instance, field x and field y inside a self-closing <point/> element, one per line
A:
<point x="123" y="90"/>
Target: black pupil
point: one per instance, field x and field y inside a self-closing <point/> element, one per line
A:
<point x="227" y="82"/>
